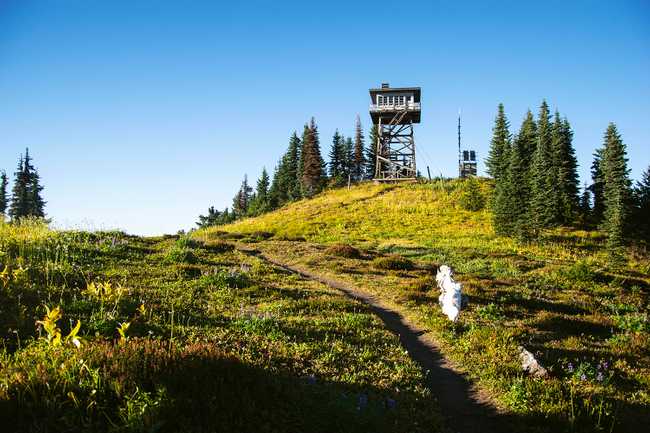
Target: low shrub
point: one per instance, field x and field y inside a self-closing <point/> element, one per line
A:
<point x="581" y="271"/>
<point x="343" y="250"/>
<point x="222" y="278"/>
<point x="186" y="242"/>
<point x="471" y="197"/>
<point x="178" y="254"/>
<point x="393" y="262"/>
<point x="218" y="246"/>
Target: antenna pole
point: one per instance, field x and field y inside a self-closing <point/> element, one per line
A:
<point x="460" y="172"/>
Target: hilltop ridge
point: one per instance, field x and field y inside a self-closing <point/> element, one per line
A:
<point x="586" y="321"/>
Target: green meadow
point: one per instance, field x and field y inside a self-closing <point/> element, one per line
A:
<point x="108" y="332"/>
<point x="584" y="319"/>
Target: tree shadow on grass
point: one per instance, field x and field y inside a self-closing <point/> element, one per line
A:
<point x="199" y="388"/>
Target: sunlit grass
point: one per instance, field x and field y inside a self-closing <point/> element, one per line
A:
<point x="558" y="296"/>
<point x="108" y="332"/>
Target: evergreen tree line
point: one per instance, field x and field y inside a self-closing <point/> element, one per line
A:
<point x="302" y="172"/>
<point x="26" y="195"/>
<point x="537" y="187"/>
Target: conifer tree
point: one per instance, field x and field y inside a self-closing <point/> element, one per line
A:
<point x="496" y="160"/>
<point x="277" y="190"/>
<point x="210" y="219"/>
<point x="242" y="199"/>
<point x="260" y="202"/>
<point x="323" y="164"/>
<point x="498" y="163"/>
<point x="503" y="218"/>
<point x="337" y="165"/>
<point x="371" y="153"/>
<point x="616" y="192"/>
<point x="37" y="205"/>
<point x="293" y="168"/>
<point x="542" y="201"/>
<point x="597" y="187"/>
<point x="359" y="159"/>
<point x="3" y="193"/>
<point x="312" y="173"/>
<point x="286" y="178"/>
<point x="642" y="206"/>
<point x="348" y="154"/>
<point x="20" y="193"/>
<point x="226" y="217"/>
<point x="565" y="171"/>
<point x="519" y="172"/>
<point x="585" y="206"/>
<point x="26" y="193"/>
<point x="518" y="182"/>
<point x="471" y="197"/>
<point x="527" y="141"/>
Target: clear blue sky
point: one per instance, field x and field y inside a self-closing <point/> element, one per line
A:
<point x="141" y="114"/>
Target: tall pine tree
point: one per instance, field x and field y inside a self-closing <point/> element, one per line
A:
<point x="371" y="153"/>
<point x="26" y="199"/>
<point x="20" y="193"/>
<point x="260" y="202"/>
<point x="3" y="193"/>
<point x="498" y="167"/>
<point x="527" y="141"/>
<point x="348" y="151"/>
<point x="293" y="168"/>
<point x="642" y="206"/>
<point x="337" y="155"/>
<point x="497" y="158"/>
<point x="518" y="180"/>
<point x="242" y="199"/>
<point x="565" y="166"/>
<point x="616" y="192"/>
<point x="542" y="203"/>
<point x="286" y="178"/>
<point x="359" y="158"/>
<point x="37" y="205"/>
<point x="323" y="164"/>
<point x="277" y="190"/>
<point x="584" y="206"/>
<point x="597" y="187"/>
<point x="312" y="167"/>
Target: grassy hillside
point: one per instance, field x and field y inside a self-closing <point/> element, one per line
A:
<point x="586" y="321"/>
<point x="179" y="335"/>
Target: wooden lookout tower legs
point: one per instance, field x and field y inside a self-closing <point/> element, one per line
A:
<point x="395" y="149"/>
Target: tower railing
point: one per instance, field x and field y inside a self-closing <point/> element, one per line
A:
<point x="410" y="106"/>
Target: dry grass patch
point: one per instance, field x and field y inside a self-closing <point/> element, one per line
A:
<point x="343" y="250"/>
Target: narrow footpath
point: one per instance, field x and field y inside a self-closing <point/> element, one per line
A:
<point x="460" y="403"/>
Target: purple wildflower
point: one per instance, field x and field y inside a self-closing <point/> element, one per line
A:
<point x="570" y="368"/>
<point x="599" y="376"/>
<point x="583" y="377"/>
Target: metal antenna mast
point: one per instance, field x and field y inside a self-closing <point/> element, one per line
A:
<point x="459" y="153"/>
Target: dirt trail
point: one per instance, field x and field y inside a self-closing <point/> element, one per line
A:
<point x="465" y="410"/>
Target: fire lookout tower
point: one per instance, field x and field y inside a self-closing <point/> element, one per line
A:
<point x="394" y="111"/>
